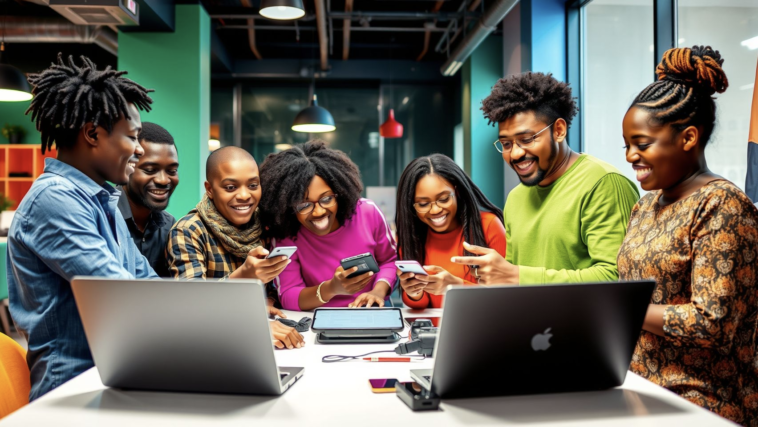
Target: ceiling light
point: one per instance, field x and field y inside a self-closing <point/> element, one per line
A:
<point x="405" y="100"/>
<point x="282" y="147"/>
<point x="314" y="119"/>
<point x="13" y="84"/>
<point x="282" y="9"/>
<point x="391" y="128"/>
<point x="751" y="44"/>
<point x="214" y="144"/>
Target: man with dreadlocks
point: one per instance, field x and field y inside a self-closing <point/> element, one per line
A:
<point x="565" y="222"/>
<point x="69" y="224"/>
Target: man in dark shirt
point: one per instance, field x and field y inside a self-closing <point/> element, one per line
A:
<point x="145" y="197"/>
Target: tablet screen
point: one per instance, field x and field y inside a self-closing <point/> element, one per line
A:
<point x="360" y="318"/>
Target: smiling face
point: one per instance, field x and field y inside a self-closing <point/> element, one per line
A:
<point x="155" y="177"/>
<point x="235" y="189"/>
<point x="117" y="153"/>
<point x="320" y="221"/>
<point x="433" y="188"/>
<point x="533" y="163"/>
<point x="658" y="154"/>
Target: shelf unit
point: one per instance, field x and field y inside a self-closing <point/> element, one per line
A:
<point x="20" y="159"/>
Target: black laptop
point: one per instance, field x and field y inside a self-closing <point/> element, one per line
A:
<point x="512" y="340"/>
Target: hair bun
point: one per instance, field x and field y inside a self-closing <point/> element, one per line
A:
<point x="699" y="67"/>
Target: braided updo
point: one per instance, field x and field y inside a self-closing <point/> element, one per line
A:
<point x="683" y="94"/>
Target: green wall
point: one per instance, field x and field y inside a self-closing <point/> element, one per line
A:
<point x="481" y="161"/>
<point x="12" y="113"/>
<point x="177" y="66"/>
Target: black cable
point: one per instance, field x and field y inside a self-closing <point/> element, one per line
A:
<point x="341" y="358"/>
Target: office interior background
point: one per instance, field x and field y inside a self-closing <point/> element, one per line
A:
<point x="226" y="76"/>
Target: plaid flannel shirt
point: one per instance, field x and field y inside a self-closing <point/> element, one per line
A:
<point x="194" y="253"/>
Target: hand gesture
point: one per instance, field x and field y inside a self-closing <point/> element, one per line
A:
<point x="368" y="299"/>
<point x="258" y="267"/>
<point x="341" y="285"/>
<point x="284" y="336"/>
<point x="492" y="268"/>
<point x="439" y="279"/>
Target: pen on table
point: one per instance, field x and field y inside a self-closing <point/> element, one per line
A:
<point x="387" y="359"/>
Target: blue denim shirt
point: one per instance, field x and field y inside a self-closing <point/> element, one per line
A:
<point x="66" y="226"/>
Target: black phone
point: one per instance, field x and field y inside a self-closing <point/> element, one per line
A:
<point x="417" y="397"/>
<point x="364" y="262"/>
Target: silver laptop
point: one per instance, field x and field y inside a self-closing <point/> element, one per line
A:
<point x="511" y="340"/>
<point x="181" y="335"/>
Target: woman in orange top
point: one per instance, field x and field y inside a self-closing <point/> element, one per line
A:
<point x="438" y="208"/>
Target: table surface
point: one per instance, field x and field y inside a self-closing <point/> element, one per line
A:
<point x="338" y="394"/>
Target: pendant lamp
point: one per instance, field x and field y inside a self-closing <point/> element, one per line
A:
<point x="282" y="9"/>
<point x="391" y="128"/>
<point x="314" y="119"/>
<point x="13" y="84"/>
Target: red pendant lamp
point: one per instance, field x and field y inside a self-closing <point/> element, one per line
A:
<point x="391" y="128"/>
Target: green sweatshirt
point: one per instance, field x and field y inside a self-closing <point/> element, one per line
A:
<point x="571" y="230"/>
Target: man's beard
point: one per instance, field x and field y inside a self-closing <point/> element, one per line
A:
<point x="539" y="176"/>
<point x="144" y="201"/>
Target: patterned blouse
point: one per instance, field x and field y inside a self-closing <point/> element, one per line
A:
<point x="702" y="253"/>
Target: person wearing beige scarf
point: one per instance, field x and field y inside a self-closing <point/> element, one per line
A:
<point x="221" y="237"/>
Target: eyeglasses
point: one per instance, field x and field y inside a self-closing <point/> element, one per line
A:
<point x="443" y="202"/>
<point x="325" y="202"/>
<point x="506" y="146"/>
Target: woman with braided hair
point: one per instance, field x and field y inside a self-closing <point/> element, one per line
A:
<point x="68" y="224"/>
<point x="696" y="234"/>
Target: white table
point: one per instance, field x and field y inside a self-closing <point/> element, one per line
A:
<point x="337" y="394"/>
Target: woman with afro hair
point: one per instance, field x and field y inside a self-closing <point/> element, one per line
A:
<point x="695" y="234"/>
<point x="312" y="200"/>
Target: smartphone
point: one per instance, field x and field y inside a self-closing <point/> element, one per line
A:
<point x="411" y="267"/>
<point x="282" y="250"/>
<point x="416" y="397"/>
<point x="382" y="385"/>
<point x="364" y="262"/>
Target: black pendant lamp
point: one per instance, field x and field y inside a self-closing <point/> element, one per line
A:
<point x="314" y="119"/>
<point x="282" y="9"/>
<point x="13" y="84"/>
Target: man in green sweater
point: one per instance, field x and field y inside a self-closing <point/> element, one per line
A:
<point x="566" y="220"/>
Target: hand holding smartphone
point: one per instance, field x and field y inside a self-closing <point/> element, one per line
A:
<point x="364" y="262"/>
<point x="410" y="266"/>
<point x="282" y="250"/>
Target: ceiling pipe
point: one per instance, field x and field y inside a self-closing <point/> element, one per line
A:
<point x="346" y="31"/>
<point x="251" y="32"/>
<point x="322" y="37"/>
<point x="428" y="33"/>
<point x="483" y="27"/>
<point x="53" y="30"/>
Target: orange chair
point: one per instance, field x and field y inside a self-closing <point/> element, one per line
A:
<point x="14" y="376"/>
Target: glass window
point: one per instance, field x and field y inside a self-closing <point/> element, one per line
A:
<point x="725" y="26"/>
<point x="618" y="63"/>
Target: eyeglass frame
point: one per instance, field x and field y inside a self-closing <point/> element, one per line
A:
<point x="522" y="145"/>
<point x="313" y="205"/>
<point x="450" y="194"/>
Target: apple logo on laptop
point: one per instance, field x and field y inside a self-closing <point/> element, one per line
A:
<point x="542" y="341"/>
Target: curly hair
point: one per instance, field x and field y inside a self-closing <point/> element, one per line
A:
<point x="411" y="232"/>
<point x="66" y="97"/>
<point x="683" y="95"/>
<point x="547" y="97"/>
<point x="285" y="178"/>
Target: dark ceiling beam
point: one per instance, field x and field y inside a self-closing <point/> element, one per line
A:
<point x="219" y="53"/>
<point x="322" y="36"/>
<point x="346" y="31"/>
<point x="358" y="29"/>
<point x="358" y="15"/>
<point x="354" y="69"/>
<point x="154" y="16"/>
